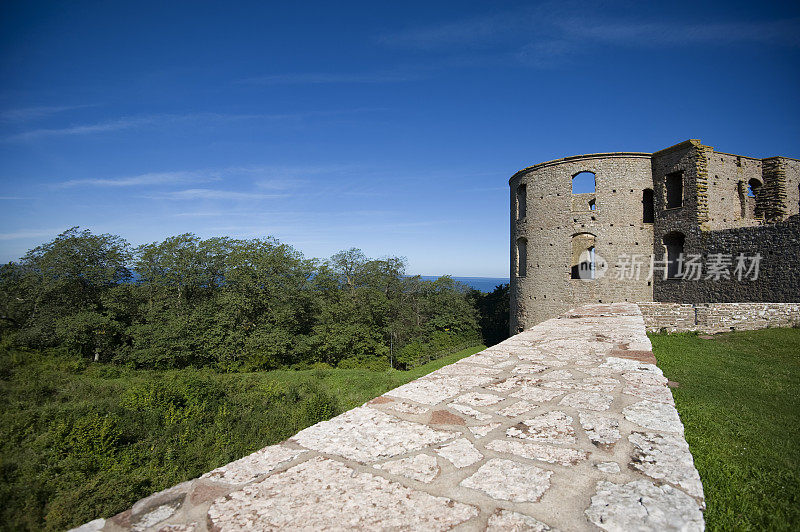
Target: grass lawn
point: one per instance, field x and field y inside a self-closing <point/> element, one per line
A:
<point x="80" y="441"/>
<point x="739" y="399"/>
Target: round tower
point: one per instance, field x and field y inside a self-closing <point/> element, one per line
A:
<point x="581" y="232"/>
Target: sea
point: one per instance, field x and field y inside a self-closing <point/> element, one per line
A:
<point x="484" y="284"/>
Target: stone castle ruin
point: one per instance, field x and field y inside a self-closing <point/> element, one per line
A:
<point x="685" y="225"/>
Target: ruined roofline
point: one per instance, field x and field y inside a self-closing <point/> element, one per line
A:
<point x="572" y="158"/>
<point x="697" y="142"/>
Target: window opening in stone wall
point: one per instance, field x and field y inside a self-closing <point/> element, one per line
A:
<point x="522" y="257"/>
<point x="592" y="205"/>
<point x="522" y="202"/>
<point x="752" y="188"/>
<point x="583" y="183"/>
<point x="648" y="211"/>
<point x="673" y="246"/>
<point x="583" y="257"/>
<point x="674" y="186"/>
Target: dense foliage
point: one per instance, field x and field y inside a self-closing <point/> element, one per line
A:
<point x="81" y="440"/>
<point x="233" y="305"/>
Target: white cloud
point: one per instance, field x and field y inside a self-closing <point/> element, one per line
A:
<point x="25" y="114"/>
<point x="156" y="178"/>
<point x="30" y="233"/>
<point x="213" y="194"/>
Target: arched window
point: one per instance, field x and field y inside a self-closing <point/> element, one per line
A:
<point x="648" y="211"/>
<point x="753" y="187"/>
<point x="673" y="247"/>
<point x="522" y="202"/>
<point x="583" y="183"/>
<point x="592" y="204"/>
<point x="522" y="257"/>
<point x="583" y="258"/>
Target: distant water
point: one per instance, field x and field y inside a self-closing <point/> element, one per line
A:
<point x="484" y="284"/>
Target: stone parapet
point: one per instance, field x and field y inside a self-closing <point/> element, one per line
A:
<point x="568" y="425"/>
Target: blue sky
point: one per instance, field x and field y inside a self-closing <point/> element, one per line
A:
<point x="392" y="127"/>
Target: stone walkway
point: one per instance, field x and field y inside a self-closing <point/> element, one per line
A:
<point x="569" y="425"/>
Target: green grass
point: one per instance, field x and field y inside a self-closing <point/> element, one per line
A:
<point x="738" y="397"/>
<point x="80" y="441"/>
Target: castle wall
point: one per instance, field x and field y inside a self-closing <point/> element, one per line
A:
<point x="718" y="317"/>
<point x="778" y="279"/>
<point x="554" y="216"/>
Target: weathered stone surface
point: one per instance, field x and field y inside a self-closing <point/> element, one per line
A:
<point x="592" y="384"/>
<point x="608" y="467"/>
<point x="510" y="383"/>
<point x="482" y="430"/>
<point x="666" y="457"/>
<point x="654" y="416"/>
<point x="603" y="431"/>
<point x="432" y="390"/>
<point x="460" y="452"/>
<point x="323" y="494"/>
<point x="641" y="505"/>
<point x="551" y="427"/>
<point x="254" y="465"/>
<point x="517" y="409"/>
<point x="421" y="467"/>
<point x="365" y="435"/>
<point x="507" y="521"/>
<point x="407" y="408"/>
<point x="536" y="394"/>
<point x="469" y="411"/>
<point x="659" y="393"/>
<point x="527" y="369"/>
<point x="464" y="368"/>
<point x="587" y="400"/>
<point x="189" y="527"/>
<point x="443" y="417"/>
<point x="478" y="399"/>
<point x="534" y="451"/>
<point x="510" y="481"/>
<point x="558" y="375"/>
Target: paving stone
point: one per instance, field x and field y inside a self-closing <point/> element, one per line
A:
<point x="189" y="527"/>
<point x="558" y="375"/>
<point x="407" y="408"/>
<point x="365" y="435"/>
<point x="433" y="390"/>
<point x="534" y="451"/>
<point x="536" y="394"/>
<point x="528" y="369"/>
<point x="603" y="431"/>
<point x="478" y="399"/>
<point x="508" y="521"/>
<point x="649" y="379"/>
<point x="91" y="526"/>
<point x="587" y="400"/>
<point x="641" y="505"/>
<point x="666" y="457"/>
<point x="623" y="365"/>
<point x="659" y="393"/>
<point x="510" y="481"/>
<point x="517" y="409"/>
<point x="608" y="467"/>
<point x="512" y="382"/>
<point x="421" y="467"/>
<point x="323" y="494"/>
<point x="654" y="416"/>
<point x="592" y="384"/>
<point x="482" y="430"/>
<point x="469" y="411"/>
<point x="551" y="427"/>
<point x="252" y="466"/>
<point x="460" y="452"/>
<point x="443" y="417"/>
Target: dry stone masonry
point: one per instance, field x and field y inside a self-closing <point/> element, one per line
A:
<point x="568" y="425"/>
